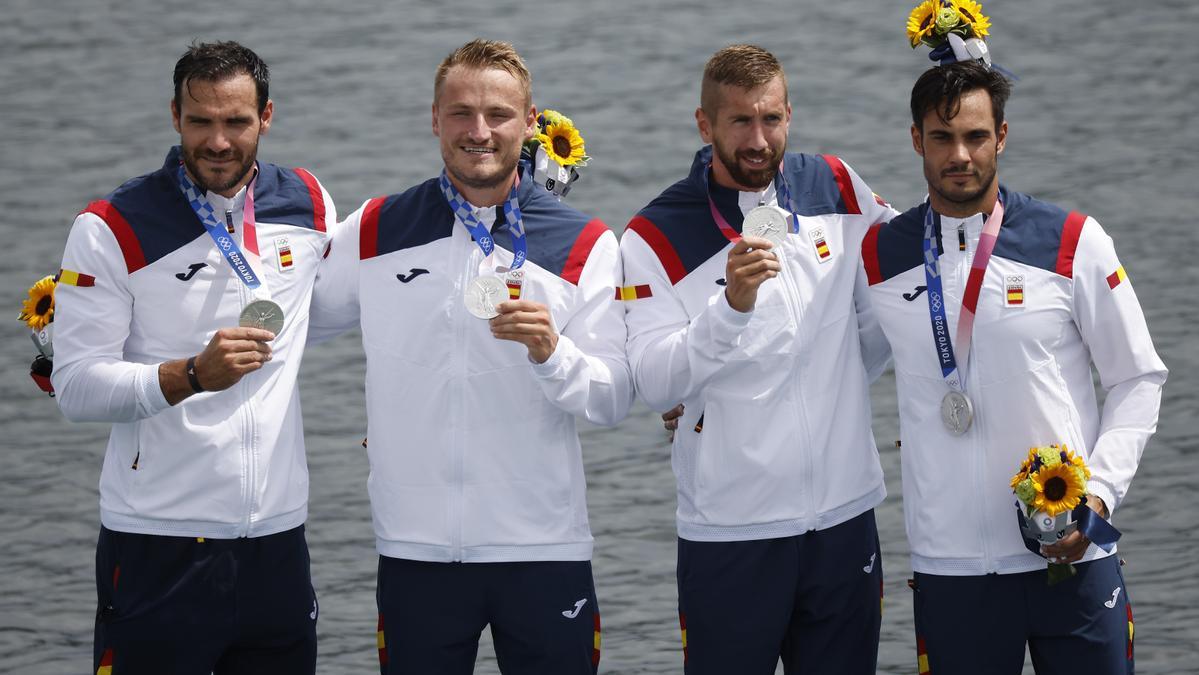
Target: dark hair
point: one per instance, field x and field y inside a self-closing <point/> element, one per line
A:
<point x="941" y="88"/>
<point x="216" y="61"/>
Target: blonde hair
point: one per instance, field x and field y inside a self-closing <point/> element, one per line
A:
<point x="484" y="54"/>
<point x="744" y="66"/>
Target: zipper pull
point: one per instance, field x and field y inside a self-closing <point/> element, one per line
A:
<point x="229" y="220"/>
<point x="961" y="237"/>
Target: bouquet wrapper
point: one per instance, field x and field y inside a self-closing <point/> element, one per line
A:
<point x="1043" y="529"/>
<point x="551" y="175"/>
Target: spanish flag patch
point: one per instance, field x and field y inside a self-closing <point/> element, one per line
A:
<point x="634" y="292"/>
<point x="1015" y="290"/>
<point x="71" y="278"/>
<point x="283" y="249"/>
<point x="1116" y="277"/>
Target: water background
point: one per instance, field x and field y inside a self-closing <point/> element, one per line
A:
<point x="1102" y="121"/>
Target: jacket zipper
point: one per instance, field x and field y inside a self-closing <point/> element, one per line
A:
<point x="978" y="453"/>
<point x="795" y="310"/>
<point x="459" y="393"/>
<point x="245" y="412"/>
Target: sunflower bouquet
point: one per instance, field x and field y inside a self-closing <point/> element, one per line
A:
<point x="37" y="311"/>
<point x="932" y="21"/>
<point x="1051" y="490"/>
<point x="556" y="152"/>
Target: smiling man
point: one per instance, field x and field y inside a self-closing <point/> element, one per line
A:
<point x="745" y="275"/>
<point x="476" y="481"/>
<point x="182" y="313"/>
<point x="996" y="305"/>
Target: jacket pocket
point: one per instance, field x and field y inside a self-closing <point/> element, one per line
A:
<point x="750" y="464"/>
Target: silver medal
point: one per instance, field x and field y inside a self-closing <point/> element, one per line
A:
<point x="767" y="222"/>
<point x="263" y="314"/>
<point x="482" y="296"/>
<point x="957" y="412"/>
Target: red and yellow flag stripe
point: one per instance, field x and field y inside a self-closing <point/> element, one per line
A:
<point x="105" y="663"/>
<point x="72" y="278"/>
<point x="381" y="642"/>
<point x="1116" y="277"/>
<point x="634" y="292"/>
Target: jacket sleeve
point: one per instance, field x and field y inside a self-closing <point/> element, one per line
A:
<point x="876" y="350"/>
<point x="335" y="307"/>
<point x="587" y="374"/>
<point x="92" y="381"/>
<point x="1111" y="322"/>
<point x="672" y="357"/>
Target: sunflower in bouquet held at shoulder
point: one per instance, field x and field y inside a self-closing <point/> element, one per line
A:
<point x="560" y="139"/>
<point x="37" y="311"/>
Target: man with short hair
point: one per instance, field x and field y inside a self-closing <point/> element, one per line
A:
<point x="750" y="270"/>
<point x="181" y="317"/>
<point x="476" y="482"/>
<point x="1047" y="298"/>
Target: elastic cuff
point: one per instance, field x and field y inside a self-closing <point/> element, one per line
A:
<point x="149" y="391"/>
<point x="554" y="362"/>
<point x="1104" y="492"/>
<point x="727" y="323"/>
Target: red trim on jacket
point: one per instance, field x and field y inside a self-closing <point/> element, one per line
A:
<point x="870" y="254"/>
<point x="845" y="184"/>
<point x="318" y="199"/>
<point x="135" y="259"/>
<point x="1071" y="230"/>
<point x="661" y="246"/>
<point x="573" y="269"/>
<point x="368" y="232"/>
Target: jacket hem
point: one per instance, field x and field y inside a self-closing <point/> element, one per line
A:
<point x="482" y="554"/>
<point x="969" y="567"/>
<point x="122" y="522"/>
<point x="783" y="528"/>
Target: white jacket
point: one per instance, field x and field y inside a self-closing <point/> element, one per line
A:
<point x="785" y="445"/>
<point x="154" y="289"/>
<point x="473" y="448"/>
<point x="1052" y="304"/>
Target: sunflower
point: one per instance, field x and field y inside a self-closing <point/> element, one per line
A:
<point x="562" y="142"/>
<point x="1059" y="489"/>
<point x="922" y="21"/>
<point x="38" y="310"/>
<point x="972" y="14"/>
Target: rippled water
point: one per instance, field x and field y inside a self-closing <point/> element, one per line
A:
<point x="1102" y="121"/>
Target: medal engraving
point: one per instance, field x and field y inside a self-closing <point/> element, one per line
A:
<point x="263" y="314"/>
<point x="766" y="222"/>
<point x="482" y="296"/>
<point x="957" y="412"/>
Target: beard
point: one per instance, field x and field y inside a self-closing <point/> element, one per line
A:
<point x="212" y="182"/>
<point x="961" y="196"/>
<point x="752" y="178"/>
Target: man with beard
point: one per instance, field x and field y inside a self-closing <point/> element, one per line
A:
<point x="476" y="481"/>
<point x="996" y="305"/>
<point x="777" y="469"/>
<point x="182" y="313"/>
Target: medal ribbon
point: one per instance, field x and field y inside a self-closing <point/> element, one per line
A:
<point x="241" y="263"/>
<point x="950" y="369"/>
<point x="481" y="234"/>
<point x="783" y="198"/>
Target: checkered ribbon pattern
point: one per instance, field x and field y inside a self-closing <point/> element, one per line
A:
<point x="950" y="368"/>
<point x="481" y="234"/>
<point x="224" y="243"/>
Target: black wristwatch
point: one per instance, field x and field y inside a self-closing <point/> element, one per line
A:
<point x="191" y="376"/>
